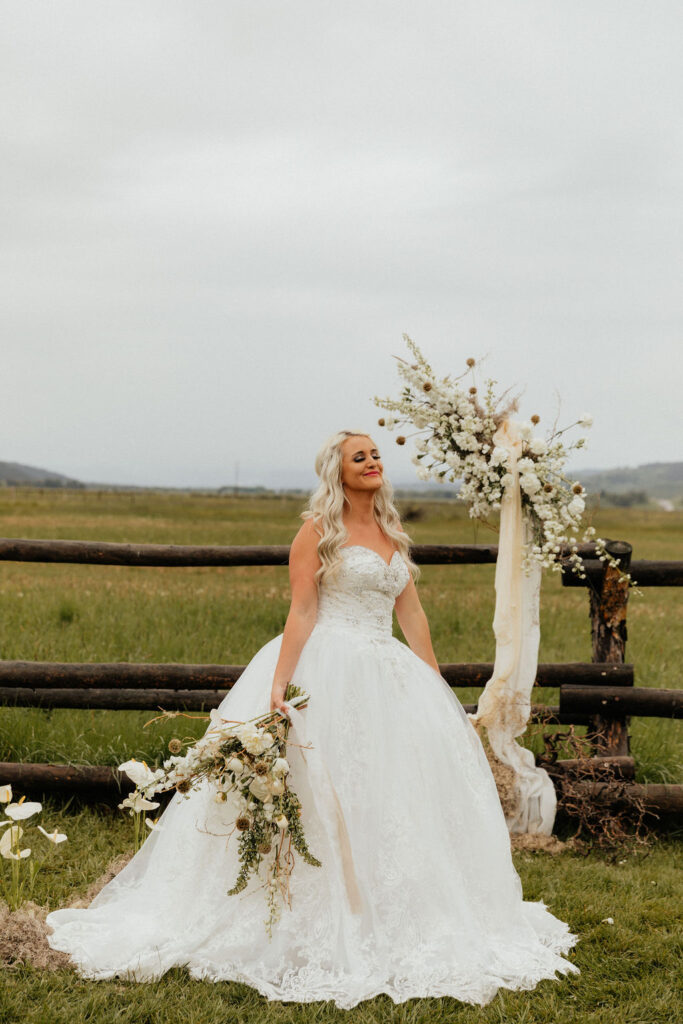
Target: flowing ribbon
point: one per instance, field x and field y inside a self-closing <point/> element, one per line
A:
<point x="505" y="704"/>
<point x="327" y="805"/>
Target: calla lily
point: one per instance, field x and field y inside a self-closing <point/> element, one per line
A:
<point x="138" y="772"/>
<point x="54" y="837"/>
<point x="5" y="794"/>
<point x="22" y="810"/>
<point x="136" y="802"/>
<point x="153" y="825"/>
<point x="21" y="855"/>
<point x="9" y="839"/>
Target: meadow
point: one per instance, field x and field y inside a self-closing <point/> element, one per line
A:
<point x="88" y="613"/>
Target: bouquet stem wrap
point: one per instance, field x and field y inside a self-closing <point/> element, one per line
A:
<point x="505" y="704"/>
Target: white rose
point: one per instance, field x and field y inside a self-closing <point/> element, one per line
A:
<point x="538" y="446"/>
<point x="499" y="456"/>
<point x="525" y="430"/>
<point x="529" y="483"/>
<point x="525" y="465"/>
<point x="506" y="480"/>
<point x="280" y="766"/>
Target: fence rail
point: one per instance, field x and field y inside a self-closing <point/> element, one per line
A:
<point x="600" y="694"/>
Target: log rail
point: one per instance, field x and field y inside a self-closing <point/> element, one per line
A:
<point x="600" y="695"/>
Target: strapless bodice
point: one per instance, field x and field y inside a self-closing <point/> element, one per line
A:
<point x="361" y="596"/>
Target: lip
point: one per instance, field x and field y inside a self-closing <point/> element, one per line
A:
<point x="373" y="472"/>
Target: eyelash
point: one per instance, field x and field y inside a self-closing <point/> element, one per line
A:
<point x="377" y="455"/>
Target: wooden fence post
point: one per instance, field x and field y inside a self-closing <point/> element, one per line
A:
<point x="608" y="634"/>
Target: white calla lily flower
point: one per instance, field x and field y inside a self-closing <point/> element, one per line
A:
<point x="54" y="837"/>
<point x="136" y="802"/>
<point x="5" y="793"/>
<point x="22" y="855"/>
<point x="9" y="839"/>
<point x="22" y="810"/>
<point x="138" y="772"/>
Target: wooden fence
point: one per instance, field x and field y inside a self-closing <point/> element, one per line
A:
<point x="599" y="694"/>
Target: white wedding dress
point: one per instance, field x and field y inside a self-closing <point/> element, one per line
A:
<point x="417" y="894"/>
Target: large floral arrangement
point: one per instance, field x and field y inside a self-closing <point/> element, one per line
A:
<point x="456" y="427"/>
<point x="246" y="759"/>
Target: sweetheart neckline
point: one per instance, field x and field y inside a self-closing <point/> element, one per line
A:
<point x="364" y="547"/>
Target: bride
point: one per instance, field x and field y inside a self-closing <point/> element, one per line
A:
<point x="417" y="894"/>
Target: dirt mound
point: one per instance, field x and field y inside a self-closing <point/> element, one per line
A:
<point x="23" y="932"/>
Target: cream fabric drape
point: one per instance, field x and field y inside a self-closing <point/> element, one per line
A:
<point x="505" y="704"/>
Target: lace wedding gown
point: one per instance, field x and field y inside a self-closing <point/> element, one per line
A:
<point x="417" y="894"/>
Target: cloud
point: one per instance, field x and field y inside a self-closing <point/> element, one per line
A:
<point x="219" y="219"/>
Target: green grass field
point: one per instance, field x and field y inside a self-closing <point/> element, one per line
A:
<point x="87" y="613"/>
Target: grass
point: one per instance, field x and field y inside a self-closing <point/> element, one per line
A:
<point x="87" y="613"/>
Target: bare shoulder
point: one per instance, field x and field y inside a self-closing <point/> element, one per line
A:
<point x="304" y="547"/>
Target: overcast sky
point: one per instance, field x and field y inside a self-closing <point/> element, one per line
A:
<point x="220" y="218"/>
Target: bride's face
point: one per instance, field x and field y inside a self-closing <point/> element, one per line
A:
<point x="362" y="468"/>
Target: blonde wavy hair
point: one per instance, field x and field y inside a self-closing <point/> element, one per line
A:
<point x="326" y="505"/>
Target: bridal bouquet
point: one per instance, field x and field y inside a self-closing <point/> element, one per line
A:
<point x="247" y="759"/>
<point x="457" y="443"/>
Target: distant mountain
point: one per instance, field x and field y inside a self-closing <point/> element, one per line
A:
<point x="13" y="474"/>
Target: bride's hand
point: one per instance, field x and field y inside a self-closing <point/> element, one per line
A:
<point x="277" y="699"/>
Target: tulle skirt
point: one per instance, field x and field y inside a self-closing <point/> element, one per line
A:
<point x="417" y="894"/>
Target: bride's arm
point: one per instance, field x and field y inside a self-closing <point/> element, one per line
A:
<point x="413" y="622"/>
<point x="303" y="610"/>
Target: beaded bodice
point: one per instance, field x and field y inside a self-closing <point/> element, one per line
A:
<point x="361" y="596"/>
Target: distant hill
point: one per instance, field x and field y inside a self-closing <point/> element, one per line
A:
<point x="13" y="474"/>
<point x="661" y="482"/>
<point x="657" y="479"/>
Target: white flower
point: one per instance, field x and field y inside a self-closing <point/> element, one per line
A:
<point x="422" y="473"/>
<point x="137" y="802"/>
<point x="526" y="465"/>
<point x="9" y="839"/>
<point x="280" y="766"/>
<point x="529" y="483"/>
<point x="525" y="430"/>
<point x="506" y="480"/>
<point x="235" y="765"/>
<point x="153" y="825"/>
<point x="260" y="788"/>
<point x="538" y="446"/>
<point x="277" y="787"/>
<point x="281" y="822"/>
<point x="138" y="772"/>
<point x="607" y="920"/>
<point x="576" y="505"/>
<point x="5" y="793"/>
<point x="499" y="456"/>
<point x="22" y="810"/>
<point x="585" y="420"/>
<point x="254" y="741"/>
<point x="54" y="837"/>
